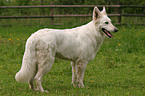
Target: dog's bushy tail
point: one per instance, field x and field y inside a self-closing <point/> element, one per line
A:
<point x="28" y="68"/>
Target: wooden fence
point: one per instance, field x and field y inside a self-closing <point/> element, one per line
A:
<point x="52" y="16"/>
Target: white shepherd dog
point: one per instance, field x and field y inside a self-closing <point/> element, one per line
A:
<point x="79" y="45"/>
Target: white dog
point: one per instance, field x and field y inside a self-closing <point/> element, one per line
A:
<point x="79" y="45"/>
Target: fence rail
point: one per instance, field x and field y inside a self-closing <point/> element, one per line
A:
<point x="54" y="6"/>
<point x="52" y="16"/>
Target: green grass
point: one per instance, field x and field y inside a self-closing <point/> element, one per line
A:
<point x="117" y="70"/>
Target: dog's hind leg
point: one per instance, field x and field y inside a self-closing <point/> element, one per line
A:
<point x="31" y="84"/>
<point x="74" y="78"/>
<point x="46" y="59"/>
<point x="43" y="69"/>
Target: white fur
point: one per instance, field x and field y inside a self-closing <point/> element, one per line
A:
<point x="79" y="45"/>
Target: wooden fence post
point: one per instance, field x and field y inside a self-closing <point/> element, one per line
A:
<point x="52" y="13"/>
<point x="41" y="3"/>
<point x="119" y="12"/>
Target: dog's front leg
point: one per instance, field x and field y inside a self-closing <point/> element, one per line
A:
<point x="81" y="65"/>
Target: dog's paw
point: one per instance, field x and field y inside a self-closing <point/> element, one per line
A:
<point x="81" y="85"/>
<point x="75" y="84"/>
<point x="45" y="91"/>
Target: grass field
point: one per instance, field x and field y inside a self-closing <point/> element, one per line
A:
<point x="117" y="70"/>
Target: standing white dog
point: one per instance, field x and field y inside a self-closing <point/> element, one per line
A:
<point x="79" y="45"/>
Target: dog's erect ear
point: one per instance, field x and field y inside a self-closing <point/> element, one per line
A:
<point x="96" y="13"/>
<point x="103" y="12"/>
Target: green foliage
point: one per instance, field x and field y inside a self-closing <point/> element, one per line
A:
<point x="21" y="2"/>
<point x="73" y="2"/>
<point x="132" y="2"/>
<point x="2" y="3"/>
<point x="66" y="11"/>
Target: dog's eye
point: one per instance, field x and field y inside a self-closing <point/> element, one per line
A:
<point x="106" y="22"/>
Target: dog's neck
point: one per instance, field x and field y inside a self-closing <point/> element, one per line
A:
<point x="97" y="36"/>
<point x="94" y="28"/>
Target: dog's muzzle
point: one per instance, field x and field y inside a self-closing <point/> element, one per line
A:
<point x="108" y="33"/>
<point x="115" y="30"/>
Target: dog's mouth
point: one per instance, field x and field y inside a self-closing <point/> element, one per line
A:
<point x="107" y="33"/>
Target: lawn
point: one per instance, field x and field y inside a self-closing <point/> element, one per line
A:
<point x="117" y="70"/>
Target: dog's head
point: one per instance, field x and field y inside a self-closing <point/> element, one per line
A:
<point x="101" y="20"/>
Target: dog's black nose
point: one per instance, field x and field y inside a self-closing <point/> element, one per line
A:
<point x="115" y="30"/>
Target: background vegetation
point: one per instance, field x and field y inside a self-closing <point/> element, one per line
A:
<point x="66" y="11"/>
<point x="75" y="2"/>
<point x="71" y="2"/>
